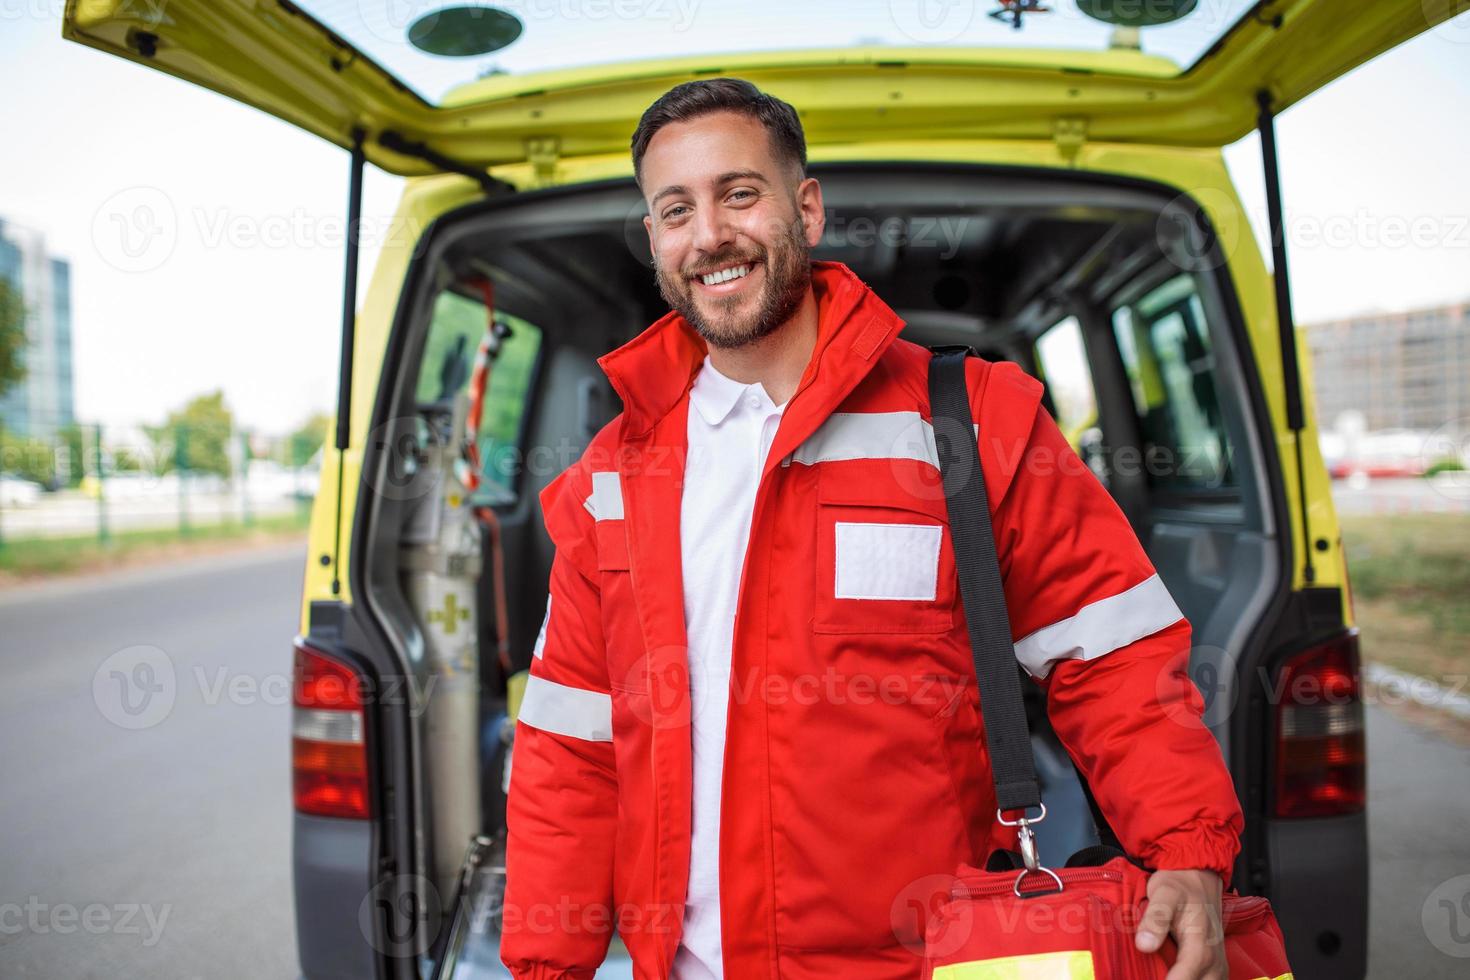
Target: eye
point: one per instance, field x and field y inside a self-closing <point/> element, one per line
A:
<point x="672" y="212"/>
<point x="747" y="192"/>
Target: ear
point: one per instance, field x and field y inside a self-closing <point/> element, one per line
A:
<point x="809" y="206"/>
<point x="648" y="227"/>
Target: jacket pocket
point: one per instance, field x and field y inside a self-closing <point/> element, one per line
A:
<point x="612" y="545"/>
<point x="884" y="562"/>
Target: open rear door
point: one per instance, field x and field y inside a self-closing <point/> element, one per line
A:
<point x="307" y="63"/>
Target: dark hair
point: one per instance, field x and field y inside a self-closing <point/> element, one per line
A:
<point x="689" y="100"/>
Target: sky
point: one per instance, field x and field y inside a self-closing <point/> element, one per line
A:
<point x="244" y="293"/>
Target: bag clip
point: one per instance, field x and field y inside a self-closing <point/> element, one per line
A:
<point x="1029" y="855"/>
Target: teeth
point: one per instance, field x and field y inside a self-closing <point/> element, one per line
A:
<point x="725" y="275"/>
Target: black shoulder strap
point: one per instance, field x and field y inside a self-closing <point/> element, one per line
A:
<point x="1006" y="732"/>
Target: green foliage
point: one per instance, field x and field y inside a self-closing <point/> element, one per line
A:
<point x="12" y="337"/>
<point x="1417" y="563"/>
<point x="200" y="431"/>
<point x="30" y="459"/>
<point x="1448" y="464"/>
<point x="127" y="459"/>
<point x="302" y="444"/>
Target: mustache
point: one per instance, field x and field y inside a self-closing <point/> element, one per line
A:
<point x="725" y="263"/>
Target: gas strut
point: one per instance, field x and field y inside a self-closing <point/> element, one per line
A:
<point x="392" y="140"/>
<point x="1285" y="323"/>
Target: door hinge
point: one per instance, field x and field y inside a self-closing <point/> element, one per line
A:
<point x="1069" y="133"/>
<point x="542" y="152"/>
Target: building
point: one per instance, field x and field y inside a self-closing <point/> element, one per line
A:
<point x="42" y="403"/>
<point x="1406" y="370"/>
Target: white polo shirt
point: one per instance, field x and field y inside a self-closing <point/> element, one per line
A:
<point x="731" y="427"/>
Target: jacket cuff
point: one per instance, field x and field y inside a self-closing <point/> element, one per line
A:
<point x="1207" y="846"/>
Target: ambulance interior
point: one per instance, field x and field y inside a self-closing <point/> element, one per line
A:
<point x="1111" y="292"/>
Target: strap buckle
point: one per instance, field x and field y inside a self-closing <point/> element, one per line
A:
<point x="1029" y="855"/>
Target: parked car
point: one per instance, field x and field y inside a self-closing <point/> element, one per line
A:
<point x="17" y="491"/>
<point x="1069" y="210"/>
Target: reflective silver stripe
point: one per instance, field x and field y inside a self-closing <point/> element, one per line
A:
<point x="605" y="503"/>
<point x="541" y="637"/>
<point x="321" y="725"/>
<point x="870" y="435"/>
<point x="1100" y="627"/>
<point x="563" y="710"/>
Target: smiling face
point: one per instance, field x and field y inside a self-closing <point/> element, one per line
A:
<point x="730" y="228"/>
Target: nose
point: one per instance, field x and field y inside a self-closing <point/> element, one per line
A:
<point x="713" y="232"/>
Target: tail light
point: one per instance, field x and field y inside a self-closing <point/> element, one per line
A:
<point x="1319" y="731"/>
<point x="328" y="749"/>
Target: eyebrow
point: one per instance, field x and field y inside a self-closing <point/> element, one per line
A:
<point x="723" y="178"/>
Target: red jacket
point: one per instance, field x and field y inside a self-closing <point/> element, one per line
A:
<point x="855" y="766"/>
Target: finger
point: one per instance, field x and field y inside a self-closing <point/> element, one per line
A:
<point x="1157" y="918"/>
<point x="1200" y="954"/>
<point x="1193" y="962"/>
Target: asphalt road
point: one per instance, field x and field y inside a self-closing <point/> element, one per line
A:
<point x="152" y="838"/>
<point x="160" y="851"/>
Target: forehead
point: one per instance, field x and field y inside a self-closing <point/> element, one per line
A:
<point x="694" y="152"/>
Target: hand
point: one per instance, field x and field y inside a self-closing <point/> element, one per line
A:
<point x="1186" y="904"/>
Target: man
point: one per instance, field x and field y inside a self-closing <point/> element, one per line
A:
<point x="750" y="735"/>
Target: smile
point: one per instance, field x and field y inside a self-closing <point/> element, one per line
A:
<point x="726" y="280"/>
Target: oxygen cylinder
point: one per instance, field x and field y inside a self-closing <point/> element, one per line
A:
<point x="441" y="562"/>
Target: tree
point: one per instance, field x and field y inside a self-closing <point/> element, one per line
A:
<point x="159" y="453"/>
<point x="302" y="444"/>
<point x="203" y="426"/>
<point x="12" y="337"/>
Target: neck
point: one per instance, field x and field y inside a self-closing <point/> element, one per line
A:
<point x="778" y="359"/>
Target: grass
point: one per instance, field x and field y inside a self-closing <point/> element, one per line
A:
<point x="1411" y="590"/>
<point x="34" y="558"/>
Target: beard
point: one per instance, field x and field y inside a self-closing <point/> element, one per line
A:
<point x="788" y="276"/>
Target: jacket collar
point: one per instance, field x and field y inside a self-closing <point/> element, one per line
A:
<point x="715" y="396"/>
<point x="654" y="371"/>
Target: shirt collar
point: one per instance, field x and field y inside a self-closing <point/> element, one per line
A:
<point x="715" y="395"/>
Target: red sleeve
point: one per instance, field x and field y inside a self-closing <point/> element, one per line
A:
<point x="562" y="805"/>
<point x="1095" y="626"/>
